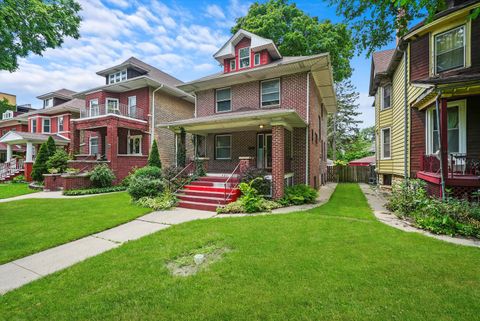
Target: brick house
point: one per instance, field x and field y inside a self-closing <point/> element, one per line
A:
<point x="263" y="110"/>
<point x="427" y="93"/>
<point x="116" y="124"/>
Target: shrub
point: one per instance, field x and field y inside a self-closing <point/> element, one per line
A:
<point x="149" y="172"/>
<point x="298" y="195"/>
<point x="231" y="208"/>
<point x="89" y="191"/>
<point x="170" y="172"/>
<point x="58" y="161"/>
<point x="40" y="166"/>
<point x="263" y="205"/>
<point x="407" y="197"/>
<point x="154" y="157"/>
<point x="163" y="202"/>
<point x="143" y="186"/>
<point x="72" y="171"/>
<point x="51" y="146"/>
<point x="261" y="184"/>
<point x="102" y="176"/>
<point x="126" y="181"/>
<point x="18" y="179"/>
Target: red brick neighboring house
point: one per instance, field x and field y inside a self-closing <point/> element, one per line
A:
<point x="264" y="111"/>
<point x="116" y="124"/>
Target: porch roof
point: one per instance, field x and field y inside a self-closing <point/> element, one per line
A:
<point x="15" y="148"/>
<point x="23" y="137"/>
<point x="238" y="121"/>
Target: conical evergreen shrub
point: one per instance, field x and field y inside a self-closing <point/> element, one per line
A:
<point x="40" y="166"/>
<point x="154" y="157"/>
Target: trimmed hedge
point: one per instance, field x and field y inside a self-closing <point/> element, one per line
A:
<point x="90" y="191"/>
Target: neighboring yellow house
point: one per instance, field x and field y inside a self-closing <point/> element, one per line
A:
<point x="12" y="99"/>
<point x="392" y="76"/>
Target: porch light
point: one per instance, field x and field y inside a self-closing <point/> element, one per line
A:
<point x="261" y="126"/>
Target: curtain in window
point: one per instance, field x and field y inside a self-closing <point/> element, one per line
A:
<point x="450" y="49"/>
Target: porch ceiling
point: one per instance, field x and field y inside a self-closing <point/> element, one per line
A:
<point x="237" y="121"/>
<point x="428" y="97"/>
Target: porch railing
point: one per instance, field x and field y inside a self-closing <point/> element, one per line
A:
<point x="11" y="167"/>
<point x="227" y="182"/>
<point x="459" y="164"/>
<point x="118" y="109"/>
<point x="430" y="164"/>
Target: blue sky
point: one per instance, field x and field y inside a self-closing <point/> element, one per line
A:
<point x="178" y="37"/>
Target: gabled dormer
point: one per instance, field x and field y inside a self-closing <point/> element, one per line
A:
<point x="128" y="69"/>
<point x="57" y="97"/>
<point x="245" y="50"/>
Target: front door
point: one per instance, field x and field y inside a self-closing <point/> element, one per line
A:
<point x="264" y="151"/>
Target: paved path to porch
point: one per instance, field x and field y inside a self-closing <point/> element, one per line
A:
<point x="25" y="270"/>
<point x="44" y="195"/>
<point x="377" y="203"/>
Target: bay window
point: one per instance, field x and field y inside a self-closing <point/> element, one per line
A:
<point x="270" y="92"/>
<point x="450" y="50"/>
<point x="60" y="126"/>
<point x="34" y="126"/>
<point x="46" y="125"/>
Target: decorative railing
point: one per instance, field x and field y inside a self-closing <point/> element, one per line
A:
<point x="430" y="163"/>
<point x="463" y="165"/>
<point x="11" y="167"/>
<point x="109" y="109"/>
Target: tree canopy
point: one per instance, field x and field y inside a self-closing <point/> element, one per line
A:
<point x="4" y="106"/>
<point x="376" y="22"/>
<point x="296" y="33"/>
<point x="33" y="26"/>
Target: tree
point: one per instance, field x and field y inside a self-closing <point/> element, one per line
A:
<point x="58" y="161"/>
<point x="296" y="33"/>
<point x="375" y="22"/>
<point x="154" y="157"/>
<point x="33" y="26"/>
<point x="343" y="125"/>
<point x="4" y="106"/>
<point x="40" y="166"/>
<point x="182" y="149"/>
<point x="358" y="147"/>
<point x="51" y="146"/>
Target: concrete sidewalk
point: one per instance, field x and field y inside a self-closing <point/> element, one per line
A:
<point x="25" y="270"/>
<point x="48" y="195"/>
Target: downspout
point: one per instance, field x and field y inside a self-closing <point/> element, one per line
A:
<point x="405" y="134"/>
<point x="306" y="131"/>
<point x="152" y="134"/>
<point x="437" y="109"/>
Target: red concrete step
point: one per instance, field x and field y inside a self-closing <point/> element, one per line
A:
<point x="219" y="179"/>
<point x="204" y="193"/>
<point x="203" y="199"/>
<point x="209" y="188"/>
<point x="198" y="206"/>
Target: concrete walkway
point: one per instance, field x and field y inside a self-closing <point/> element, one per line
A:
<point x="377" y="203"/>
<point x="25" y="270"/>
<point x="48" y="195"/>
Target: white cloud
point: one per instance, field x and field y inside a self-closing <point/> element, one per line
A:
<point x="204" y="67"/>
<point x="215" y="11"/>
<point x="120" y="3"/>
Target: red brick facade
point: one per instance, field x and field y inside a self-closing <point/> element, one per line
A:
<point x="278" y="161"/>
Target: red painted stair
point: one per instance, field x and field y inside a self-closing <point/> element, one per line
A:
<point x="208" y="192"/>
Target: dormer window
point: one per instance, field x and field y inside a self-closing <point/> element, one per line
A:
<point x="48" y="103"/>
<point x="450" y="50"/>
<point x="7" y="115"/>
<point x="256" y="59"/>
<point x="244" y="57"/>
<point x="117" y="77"/>
<point x="232" y="65"/>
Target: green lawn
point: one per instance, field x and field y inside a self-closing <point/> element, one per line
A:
<point x="32" y="225"/>
<point x="10" y="190"/>
<point x="317" y="265"/>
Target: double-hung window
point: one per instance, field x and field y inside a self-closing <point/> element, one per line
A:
<point x="34" y="126"/>
<point x="232" y="64"/>
<point x="223" y="99"/>
<point x="94" y="108"/>
<point x="256" y="59"/>
<point x="386" y="143"/>
<point x="117" y="76"/>
<point x="450" y="49"/>
<point x="134" y="145"/>
<point x="223" y="147"/>
<point x="244" y="57"/>
<point x="48" y="103"/>
<point x="113" y="106"/>
<point x="93" y="145"/>
<point x="46" y="125"/>
<point x="386" y="97"/>
<point x="60" y="126"/>
<point x="270" y="95"/>
<point x="132" y="106"/>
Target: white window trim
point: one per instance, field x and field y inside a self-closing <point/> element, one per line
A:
<point x="58" y="124"/>
<point x="462" y="126"/>
<point x="90" y="145"/>
<point x="382" y="106"/>
<point x="45" y="103"/>
<point x="279" y="93"/>
<point x="114" y="74"/>
<point x="130" y="106"/>
<point x="49" y="125"/>
<point x="129" y="152"/>
<point x="240" y="59"/>
<point x="32" y="127"/>
<point x="434" y="37"/>
<point x="259" y="59"/>
<point x="223" y="158"/>
<point x="90" y="107"/>
<point x="234" y="64"/>
<point x="111" y="99"/>
<point x="216" y="100"/>
<point x="8" y="114"/>
<point x="382" y="157"/>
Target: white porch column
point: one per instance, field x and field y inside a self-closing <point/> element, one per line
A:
<point x="29" y="156"/>
<point x="9" y="152"/>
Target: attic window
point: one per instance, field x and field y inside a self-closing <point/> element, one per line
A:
<point x="244" y="57"/>
<point x="7" y="115"/>
<point x="232" y="65"/>
<point x="117" y="77"/>
<point x="48" y="102"/>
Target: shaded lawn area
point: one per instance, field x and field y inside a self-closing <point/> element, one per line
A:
<point x="301" y="266"/>
<point x="10" y="190"/>
<point x="32" y="225"/>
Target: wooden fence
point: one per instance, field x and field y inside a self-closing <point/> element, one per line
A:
<point x="352" y="174"/>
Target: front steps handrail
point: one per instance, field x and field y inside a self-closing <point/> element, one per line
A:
<point x="11" y="167"/>
<point x="228" y="179"/>
<point x="171" y="182"/>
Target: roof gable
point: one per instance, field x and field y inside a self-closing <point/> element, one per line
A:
<point x="257" y="44"/>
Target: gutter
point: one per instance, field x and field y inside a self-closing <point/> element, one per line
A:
<point x="152" y="134"/>
<point x="405" y="124"/>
